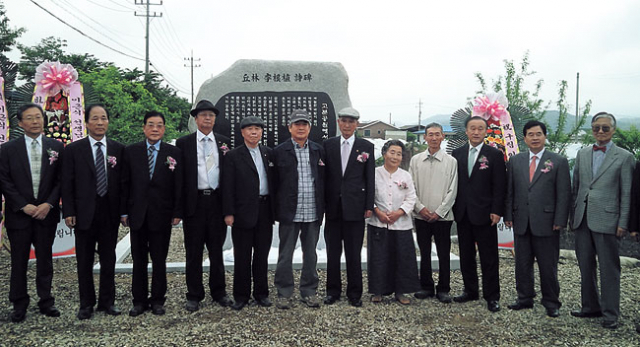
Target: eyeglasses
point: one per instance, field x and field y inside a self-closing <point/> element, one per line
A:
<point x="596" y="129"/>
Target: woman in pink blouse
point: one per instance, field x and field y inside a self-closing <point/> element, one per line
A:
<point x="391" y="257"/>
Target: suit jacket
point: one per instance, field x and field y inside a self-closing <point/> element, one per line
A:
<point x="543" y="202"/>
<point x="189" y="146"/>
<point x="605" y="197"/>
<point x="356" y="189"/>
<point x="79" y="182"/>
<point x="634" y="218"/>
<point x="286" y="187"/>
<point x="242" y="185"/>
<point x="158" y="199"/>
<point x="483" y="192"/>
<point x="17" y="185"/>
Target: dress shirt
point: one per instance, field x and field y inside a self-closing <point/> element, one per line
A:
<point x="93" y="142"/>
<point x="478" y="149"/>
<point x="262" y="174"/>
<point x="306" y="211"/>
<point x="155" y="153"/>
<point x="390" y="196"/>
<point x="349" y="145"/>
<point x="436" y="181"/>
<point x="203" y="175"/>
<point x="538" y="157"/>
<point x="28" y="142"/>
<point x="598" y="158"/>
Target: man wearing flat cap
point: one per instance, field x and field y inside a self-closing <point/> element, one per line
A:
<point x="203" y="156"/>
<point x="349" y="200"/>
<point x="299" y="188"/>
<point x="248" y="210"/>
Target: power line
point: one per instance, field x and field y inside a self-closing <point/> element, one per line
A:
<point x="148" y="17"/>
<point x="121" y="5"/>
<point x="167" y="80"/>
<point x="108" y="8"/>
<point x="83" y="34"/>
<point x="191" y="60"/>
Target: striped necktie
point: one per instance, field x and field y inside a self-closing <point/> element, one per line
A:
<point x="36" y="165"/>
<point x="101" y="172"/>
<point x="151" y="161"/>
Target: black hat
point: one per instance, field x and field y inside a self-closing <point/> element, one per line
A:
<point x="251" y="120"/>
<point x="204" y="105"/>
<point x="298" y="115"/>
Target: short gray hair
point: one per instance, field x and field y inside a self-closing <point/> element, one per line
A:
<point x="433" y="125"/>
<point x="604" y="115"/>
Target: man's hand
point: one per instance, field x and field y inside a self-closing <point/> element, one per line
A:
<point x="70" y="221"/>
<point x="393" y="216"/>
<point x="368" y="214"/>
<point x="42" y="211"/>
<point x="494" y="219"/>
<point x="425" y="213"/>
<point x="509" y="224"/>
<point x="175" y="221"/>
<point x="228" y="220"/>
<point x="29" y="209"/>
<point x="621" y="232"/>
<point x="124" y="221"/>
<point x="557" y="227"/>
<point x="433" y="218"/>
<point x="635" y="235"/>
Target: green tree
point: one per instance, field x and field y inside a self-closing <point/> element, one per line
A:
<point x="559" y="139"/>
<point x="8" y="35"/>
<point x="628" y="139"/>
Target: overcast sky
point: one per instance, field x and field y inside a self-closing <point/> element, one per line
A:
<point x="395" y="52"/>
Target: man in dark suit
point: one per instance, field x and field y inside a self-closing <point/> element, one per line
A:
<point x="30" y="176"/>
<point x="299" y="191"/>
<point x="478" y="207"/>
<point x="152" y="191"/>
<point x="537" y="207"/>
<point x="248" y="210"/>
<point x="91" y="183"/>
<point x="204" y="153"/>
<point x="602" y="179"/>
<point x="349" y="200"/>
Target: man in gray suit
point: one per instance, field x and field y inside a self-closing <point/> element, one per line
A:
<point x="601" y="195"/>
<point x="537" y="207"/>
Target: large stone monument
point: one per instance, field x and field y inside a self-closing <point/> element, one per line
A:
<point x="271" y="90"/>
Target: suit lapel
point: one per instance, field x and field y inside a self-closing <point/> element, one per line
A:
<point x="160" y="159"/>
<point x="45" y="162"/>
<point x="464" y="161"/>
<point x="609" y="159"/>
<point x="87" y="153"/>
<point x="538" y="171"/>
<point x="248" y="158"/>
<point x="482" y="153"/>
<point x="265" y="160"/>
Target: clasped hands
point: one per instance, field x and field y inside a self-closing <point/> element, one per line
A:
<point x="39" y="212"/>
<point x="388" y="217"/>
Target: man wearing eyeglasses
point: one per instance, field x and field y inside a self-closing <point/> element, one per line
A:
<point x="601" y="201"/>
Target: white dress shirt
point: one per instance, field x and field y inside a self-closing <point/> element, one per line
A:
<point x="203" y="175"/>
<point x="93" y="142"/>
<point x="538" y="157"/>
<point x="394" y="191"/>
<point x="28" y="142"/>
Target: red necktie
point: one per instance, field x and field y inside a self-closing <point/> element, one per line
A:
<point x="532" y="168"/>
<point x="600" y="148"/>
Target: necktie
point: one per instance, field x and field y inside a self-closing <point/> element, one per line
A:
<point x="345" y="155"/>
<point x="532" y="168"/>
<point x="472" y="159"/>
<point x="600" y="148"/>
<point x="151" y="161"/>
<point x="101" y="172"/>
<point x="36" y="164"/>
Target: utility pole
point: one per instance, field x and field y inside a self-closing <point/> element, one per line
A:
<point x="577" y="104"/>
<point x="149" y="16"/>
<point x="419" y="114"/>
<point x="191" y="60"/>
<point x="390" y="118"/>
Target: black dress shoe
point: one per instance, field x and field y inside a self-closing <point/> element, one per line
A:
<point x="424" y="294"/>
<point x="137" y="310"/>
<point x="224" y="301"/>
<point x="610" y="325"/>
<point x="638" y="328"/>
<point x="192" y="305"/>
<point x="85" y="313"/>
<point x="158" y="310"/>
<point x="239" y="305"/>
<point x="493" y="305"/>
<point x="264" y="302"/>
<point x="18" y="316"/>
<point x="50" y="311"/>
<point x="444" y="297"/>
<point x="580" y="314"/>
<point x="330" y="299"/>
<point x="518" y="305"/>
<point x="553" y="312"/>
<point x="464" y="297"/>
<point x="111" y="310"/>
<point x="355" y="302"/>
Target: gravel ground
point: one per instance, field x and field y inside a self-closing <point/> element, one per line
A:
<point x="423" y="323"/>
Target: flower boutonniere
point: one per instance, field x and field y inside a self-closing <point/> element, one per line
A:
<point x="224" y="148"/>
<point x="270" y="164"/>
<point x="112" y="161"/>
<point x="363" y="157"/>
<point x="548" y="166"/>
<point x="320" y="162"/>
<point x="171" y="162"/>
<point x="484" y="162"/>
<point x="53" y="156"/>
<point x="402" y="184"/>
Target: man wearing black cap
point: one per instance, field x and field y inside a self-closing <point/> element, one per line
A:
<point x="299" y="204"/>
<point x="248" y="210"/>
<point x="203" y="154"/>
<point x="349" y="200"/>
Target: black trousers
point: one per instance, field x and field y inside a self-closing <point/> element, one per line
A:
<point x="205" y="227"/>
<point x="145" y="242"/>
<point x="441" y="232"/>
<point x="336" y="232"/>
<point x="486" y="237"/>
<point x="42" y="237"/>
<point x="104" y="233"/>
<point x="256" y="241"/>
<point x="546" y="250"/>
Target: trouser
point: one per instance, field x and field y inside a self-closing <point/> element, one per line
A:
<point x="309" y="233"/>
<point x="441" y="233"/>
